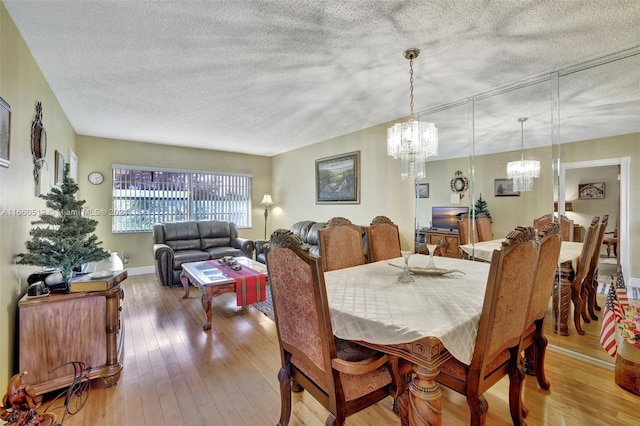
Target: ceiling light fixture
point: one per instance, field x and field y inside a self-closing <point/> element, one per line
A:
<point x="522" y="172"/>
<point x="412" y="141"/>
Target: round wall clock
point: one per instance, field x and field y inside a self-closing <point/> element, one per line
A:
<point x="96" y="178"/>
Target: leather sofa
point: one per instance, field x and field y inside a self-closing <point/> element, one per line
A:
<point x="307" y="231"/>
<point x="175" y="243"/>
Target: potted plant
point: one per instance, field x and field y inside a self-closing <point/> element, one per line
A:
<point x="64" y="238"/>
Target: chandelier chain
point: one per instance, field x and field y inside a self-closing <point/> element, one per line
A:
<point x="411" y="85"/>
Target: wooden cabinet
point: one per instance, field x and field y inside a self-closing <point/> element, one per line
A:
<point x="62" y="328"/>
<point x="450" y="239"/>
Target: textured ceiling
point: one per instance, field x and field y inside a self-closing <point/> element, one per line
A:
<point x="266" y="77"/>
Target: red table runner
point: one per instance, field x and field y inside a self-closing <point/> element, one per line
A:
<point x="250" y="284"/>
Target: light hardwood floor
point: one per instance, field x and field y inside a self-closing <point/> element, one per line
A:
<point x="176" y="374"/>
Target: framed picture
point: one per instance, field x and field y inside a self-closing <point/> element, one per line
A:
<point x="73" y="165"/>
<point x="338" y="179"/>
<point x="591" y="191"/>
<point x="59" y="171"/>
<point x="5" y="133"/>
<point x="422" y="190"/>
<point x="504" y="188"/>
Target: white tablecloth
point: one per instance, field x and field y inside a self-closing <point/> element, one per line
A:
<point x="368" y="303"/>
<point x="569" y="251"/>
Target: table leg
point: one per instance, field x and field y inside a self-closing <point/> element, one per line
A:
<point x="206" y="305"/>
<point x="562" y="296"/>
<point x="424" y="400"/>
<point x="184" y="279"/>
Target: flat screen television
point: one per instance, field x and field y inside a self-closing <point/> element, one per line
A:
<point x="446" y="218"/>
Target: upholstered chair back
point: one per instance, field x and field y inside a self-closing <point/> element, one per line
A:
<point x="483" y="225"/>
<point x="302" y="328"/>
<point x="597" y="243"/>
<point x="508" y="294"/>
<point x="566" y="225"/>
<point x="383" y="238"/>
<point x="341" y="244"/>
<point x="584" y="262"/>
<point x="550" y="243"/>
<point x="343" y="376"/>
<point x="468" y="233"/>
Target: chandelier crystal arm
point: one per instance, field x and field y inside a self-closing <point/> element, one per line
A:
<point x="523" y="172"/>
<point x="413" y="141"/>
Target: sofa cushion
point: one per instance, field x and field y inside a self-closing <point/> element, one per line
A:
<point x="215" y="233"/>
<point x="300" y="229"/>
<point x="184" y="256"/>
<point x="218" y="252"/>
<point x="182" y="235"/>
<point x="311" y="240"/>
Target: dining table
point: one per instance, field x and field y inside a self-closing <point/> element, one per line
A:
<point x="567" y="266"/>
<point x="425" y="322"/>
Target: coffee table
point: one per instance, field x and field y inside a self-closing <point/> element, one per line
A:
<point x="212" y="281"/>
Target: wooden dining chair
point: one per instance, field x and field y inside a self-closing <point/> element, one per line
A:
<point x="483" y="225"/>
<point x="566" y="225"/>
<point x="561" y="293"/>
<point x="498" y="344"/>
<point x="467" y="231"/>
<point x="590" y="282"/>
<point x="344" y="377"/>
<point x="340" y="244"/>
<point x="534" y="342"/>
<point x="383" y="239"/>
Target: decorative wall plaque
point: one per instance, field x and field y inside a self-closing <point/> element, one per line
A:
<point x="38" y="143"/>
<point x="459" y="184"/>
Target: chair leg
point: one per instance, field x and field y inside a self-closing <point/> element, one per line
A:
<point x="516" y="379"/>
<point x="285" y="396"/>
<point x="576" y="289"/>
<point x="584" y="296"/>
<point x="540" y="351"/>
<point x="478" y="407"/>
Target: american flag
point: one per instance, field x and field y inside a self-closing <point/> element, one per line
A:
<point x="621" y="291"/>
<point x="610" y="318"/>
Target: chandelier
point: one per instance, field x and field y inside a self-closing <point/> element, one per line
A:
<point x="522" y="172"/>
<point x="413" y="141"/>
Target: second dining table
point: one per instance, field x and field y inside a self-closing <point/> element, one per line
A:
<point x="425" y="322"/>
<point x="568" y="264"/>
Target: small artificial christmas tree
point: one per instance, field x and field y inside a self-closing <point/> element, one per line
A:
<point x="481" y="207"/>
<point x="64" y="239"/>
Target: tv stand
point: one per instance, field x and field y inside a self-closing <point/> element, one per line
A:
<point x="450" y="238"/>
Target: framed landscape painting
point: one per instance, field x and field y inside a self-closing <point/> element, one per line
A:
<point x="422" y="190"/>
<point x="504" y="188"/>
<point x="338" y="179"/>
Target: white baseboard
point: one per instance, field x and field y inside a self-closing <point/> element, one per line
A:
<point x="141" y="270"/>
<point x="607" y="365"/>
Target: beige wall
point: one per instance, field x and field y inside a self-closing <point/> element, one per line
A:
<point x="97" y="154"/>
<point x="382" y="192"/>
<point x="585" y="210"/>
<point x="22" y="86"/>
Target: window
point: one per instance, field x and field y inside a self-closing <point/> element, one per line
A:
<point x="144" y="196"/>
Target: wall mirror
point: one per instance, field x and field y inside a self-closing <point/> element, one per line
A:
<point x="566" y="111"/>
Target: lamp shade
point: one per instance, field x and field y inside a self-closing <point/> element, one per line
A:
<point x="266" y="200"/>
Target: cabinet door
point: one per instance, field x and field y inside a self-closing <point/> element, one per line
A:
<point x="52" y="334"/>
<point x="452" y="245"/>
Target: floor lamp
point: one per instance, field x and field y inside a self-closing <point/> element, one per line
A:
<point x="266" y="202"/>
